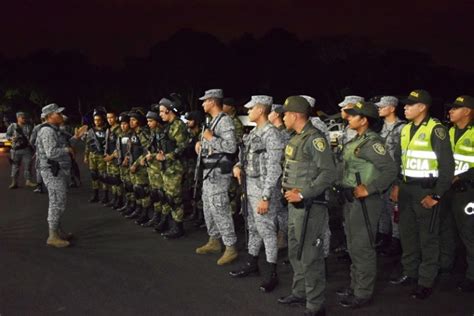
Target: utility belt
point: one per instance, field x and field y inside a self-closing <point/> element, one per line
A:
<point x="425" y="183"/>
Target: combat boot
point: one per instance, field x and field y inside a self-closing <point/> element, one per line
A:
<point x="95" y="196"/>
<point x="143" y="217"/>
<point x="30" y="184"/>
<point x="230" y="254"/>
<point x="105" y="198"/>
<point x="137" y="213"/>
<point x="112" y="202"/>
<point x="270" y="280"/>
<point x="118" y="202"/>
<point x="55" y="241"/>
<point x="212" y="246"/>
<point x="176" y="230"/>
<point x="125" y="207"/>
<point x="162" y="224"/>
<point x="250" y="267"/>
<point x="14" y="184"/>
<point x="131" y="208"/>
<point x="155" y="219"/>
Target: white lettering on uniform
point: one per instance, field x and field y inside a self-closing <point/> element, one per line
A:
<point x="418" y="164"/>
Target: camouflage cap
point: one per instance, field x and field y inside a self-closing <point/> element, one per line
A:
<point x="311" y="100"/>
<point x="278" y="108"/>
<point x="463" y="101"/>
<point x="259" y="99"/>
<point x="364" y="108"/>
<point x="351" y="99"/>
<point x="213" y="93"/>
<point x="296" y="104"/>
<point x="152" y="115"/>
<point x="387" y="101"/>
<point x="418" y="96"/>
<point x="51" y="108"/>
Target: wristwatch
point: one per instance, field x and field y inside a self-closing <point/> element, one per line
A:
<point x="265" y="198"/>
<point x="301" y="196"/>
<point x="436" y="197"/>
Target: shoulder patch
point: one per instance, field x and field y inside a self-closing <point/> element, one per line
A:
<point x="319" y="143"/>
<point x="440" y="133"/>
<point x="379" y="149"/>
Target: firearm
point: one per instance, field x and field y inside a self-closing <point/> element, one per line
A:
<point x="434" y="212"/>
<point x="243" y="184"/>
<point x="365" y="213"/>
<point x="197" y="172"/>
<point x="54" y="165"/>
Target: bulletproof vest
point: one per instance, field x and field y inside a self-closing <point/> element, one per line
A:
<point x="111" y="140"/>
<point x="123" y="147"/>
<point x="353" y="163"/>
<point x="463" y="150"/>
<point x="254" y="149"/>
<point x="98" y="141"/>
<point x="136" y="148"/>
<point x="299" y="168"/>
<point x="167" y="144"/>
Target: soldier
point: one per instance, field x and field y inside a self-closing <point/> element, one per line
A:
<point x="427" y="169"/>
<point x="218" y="145"/>
<point x="34" y="134"/>
<point x="172" y="146"/>
<point x="55" y="163"/>
<point x="113" y="169"/>
<point x="21" y="152"/>
<point x="123" y="160"/>
<point x="139" y="140"/>
<point x="308" y="171"/>
<point x="94" y="156"/>
<point x="262" y="168"/>
<point x="457" y="209"/>
<point x="390" y="132"/>
<point x="364" y="154"/>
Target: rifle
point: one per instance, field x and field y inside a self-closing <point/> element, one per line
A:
<point x="365" y="213"/>
<point x="243" y="197"/>
<point x="197" y="172"/>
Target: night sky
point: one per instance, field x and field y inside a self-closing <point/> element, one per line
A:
<point x="109" y="30"/>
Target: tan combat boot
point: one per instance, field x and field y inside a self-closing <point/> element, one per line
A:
<point x="212" y="246"/>
<point x="31" y="184"/>
<point x="230" y="254"/>
<point x="55" y="241"/>
<point x="14" y="184"/>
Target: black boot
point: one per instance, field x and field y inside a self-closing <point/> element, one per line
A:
<point x="95" y="196"/>
<point x="137" y="213"/>
<point x="130" y="209"/>
<point x="105" y="198"/>
<point x="176" y="230"/>
<point x="155" y="219"/>
<point x="143" y="218"/>
<point x="125" y="206"/>
<point x="271" y="278"/>
<point x="250" y="267"/>
<point x="118" y="202"/>
<point x="111" y="203"/>
<point x="163" y="224"/>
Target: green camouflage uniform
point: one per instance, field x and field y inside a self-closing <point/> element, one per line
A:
<point x="123" y="143"/>
<point x="155" y="169"/>
<point x="113" y="169"/>
<point x="234" y="189"/>
<point x="139" y="140"/>
<point x="95" y="143"/>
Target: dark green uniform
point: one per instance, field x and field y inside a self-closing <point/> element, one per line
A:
<point x="309" y="167"/>
<point x="425" y="150"/>
<point x="365" y="154"/>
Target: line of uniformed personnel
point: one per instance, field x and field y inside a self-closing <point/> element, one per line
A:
<point x="414" y="180"/>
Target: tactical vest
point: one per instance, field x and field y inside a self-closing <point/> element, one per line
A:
<point x="353" y="163"/>
<point x="254" y="149"/>
<point x="97" y="143"/>
<point x="418" y="158"/>
<point x="299" y="168"/>
<point x="111" y="140"/>
<point x="123" y="147"/>
<point x="166" y="143"/>
<point x="136" y="148"/>
<point x="463" y="150"/>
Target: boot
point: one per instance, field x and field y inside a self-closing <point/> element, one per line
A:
<point x="30" y="184"/>
<point x="143" y="217"/>
<point x="14" y="184"/>
<point x="230" y="254"/>
<point x="282" y="242"/>
<point x="39" y="188"/>
<point x="95" y="196"/>
<point x="125" y="206"/>
<point x="163" y="223"/>
<point x="271" y="279"/>
<point x="112" y="202"/>
<point x="155" y="219"/>
<point x="118" y="202"/>
<point x="212" y="246"/>
<point x="105" y="198"/>
<point x="55" y="241"/>
<point x="250" y="267"/>
<point x="130" y="209"/>
<point x="137" y="213"/>
<point x="176" y="230"/>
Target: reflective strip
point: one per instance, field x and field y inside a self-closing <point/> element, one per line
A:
<point x="464" y="158"/>
<point x="420" y="174"/>
<point x="421" y="154"/>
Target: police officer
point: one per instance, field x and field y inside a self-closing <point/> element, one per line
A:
<point x="262" y="168"/>
<point x="391" y="130"/>
<point x="366" y="155"/>
<point x="94" y="156"/>
<point x="113" y="169"/>
<point x="21" y="152"/>
<point x="55" y="163"/>
<point x="457" y="209"/>
<point x="348" y="102"/>
<point x="427" y="169"/>
<point x="308" y="171"/>
<point x="219" y="145"/>
<point x="174" y="142"/>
